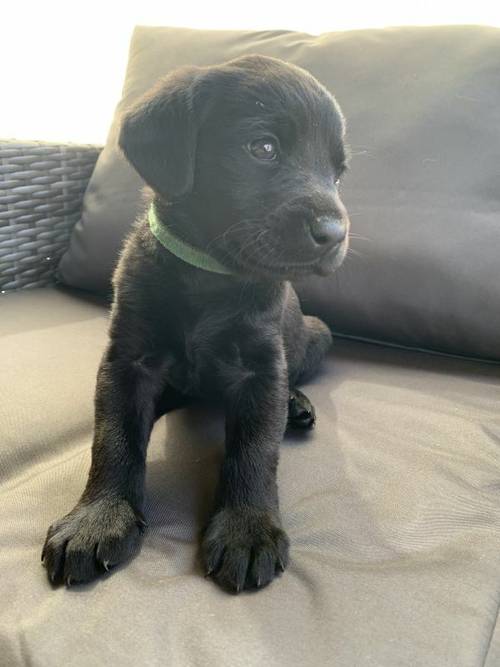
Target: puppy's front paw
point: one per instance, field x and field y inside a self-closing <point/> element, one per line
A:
<point x="244" y="549"/>
<point x="90" y="540"/>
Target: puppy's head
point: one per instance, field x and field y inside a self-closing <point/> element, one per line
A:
<point x="252" y="154"/>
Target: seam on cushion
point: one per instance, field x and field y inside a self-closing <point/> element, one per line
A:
<point x="493" y="628"/>
<point x="411" y="348"/>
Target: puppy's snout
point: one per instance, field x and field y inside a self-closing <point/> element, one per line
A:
<point x="328" y="231"/>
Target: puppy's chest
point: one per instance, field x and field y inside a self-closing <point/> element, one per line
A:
<point x="216" y="355"/>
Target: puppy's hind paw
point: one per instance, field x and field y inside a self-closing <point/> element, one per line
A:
<point x="301" y="413"/>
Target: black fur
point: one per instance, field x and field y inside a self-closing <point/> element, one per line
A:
<point x="203" y="139"/>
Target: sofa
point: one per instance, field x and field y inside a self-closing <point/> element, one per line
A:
<point x="392" y="502"/>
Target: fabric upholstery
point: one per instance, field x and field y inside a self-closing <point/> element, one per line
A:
<point x="392" y="504"/>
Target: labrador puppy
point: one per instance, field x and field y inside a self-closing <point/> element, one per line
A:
<point x="244" y="161"/>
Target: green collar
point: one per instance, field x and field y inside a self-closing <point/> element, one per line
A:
<point x="181" y="249"/>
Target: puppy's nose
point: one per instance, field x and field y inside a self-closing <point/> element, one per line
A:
<point x="328" y="231"/>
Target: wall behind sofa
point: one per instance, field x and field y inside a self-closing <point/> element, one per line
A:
<point x="62" y="63"/>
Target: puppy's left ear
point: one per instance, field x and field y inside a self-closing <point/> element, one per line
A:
<point x="158" y="134"/>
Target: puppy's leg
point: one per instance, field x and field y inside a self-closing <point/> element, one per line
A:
<point x="244" y="545"/>
<point x="104" y="527"/>
<point x="318" y="340"/>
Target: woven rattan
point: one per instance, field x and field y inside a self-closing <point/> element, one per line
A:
<point x="41" y="193"/>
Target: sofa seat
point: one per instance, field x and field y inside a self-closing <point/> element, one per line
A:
<point x="392" y="505"/>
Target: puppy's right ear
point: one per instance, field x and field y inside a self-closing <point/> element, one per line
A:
<point x="158" y="134"/>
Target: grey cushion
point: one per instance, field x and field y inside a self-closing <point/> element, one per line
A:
<point x="392" y="505"/>
<point x="423" y="114"/>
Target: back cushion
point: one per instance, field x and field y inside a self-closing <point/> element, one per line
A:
<point x="423" y="113"/>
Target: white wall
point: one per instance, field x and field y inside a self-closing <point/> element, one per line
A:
<point x="62" y="63"/>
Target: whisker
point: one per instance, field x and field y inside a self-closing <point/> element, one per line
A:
<point x="241" y="224"/>
<point x="250" y="243"/>
<point x="358" y="237"/>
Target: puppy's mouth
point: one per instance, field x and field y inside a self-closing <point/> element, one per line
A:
<point x="264" y="259"/>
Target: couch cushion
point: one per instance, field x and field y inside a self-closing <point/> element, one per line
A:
<point x="392" y="505"/>
<point x="423" y="109"/>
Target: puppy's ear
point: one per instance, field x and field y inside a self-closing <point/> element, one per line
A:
<point x="158" y="134"/>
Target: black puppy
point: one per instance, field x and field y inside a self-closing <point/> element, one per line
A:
<point x="244" y="160"/>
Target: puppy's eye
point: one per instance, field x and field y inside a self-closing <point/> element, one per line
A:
<point x="264" y="149"/>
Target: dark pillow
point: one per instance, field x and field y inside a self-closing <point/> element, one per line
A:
<point x="423" y="112"/>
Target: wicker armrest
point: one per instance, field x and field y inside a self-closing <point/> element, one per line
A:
<point x="41" y="193"/>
